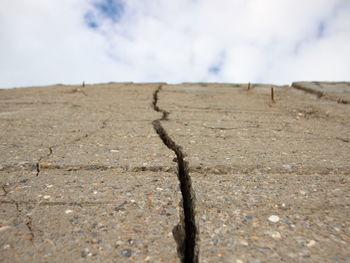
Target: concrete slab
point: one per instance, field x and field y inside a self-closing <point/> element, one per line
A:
<point x="260" y="217"/>
<point x="85" y="177"/>
<point x="75" y="216"/>
<point x="269" y="176"/>
<point x="236" y="129"/>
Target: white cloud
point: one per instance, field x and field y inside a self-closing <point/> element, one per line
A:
<point x="277" y="41"/>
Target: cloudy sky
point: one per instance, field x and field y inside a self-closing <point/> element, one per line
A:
<point x="271" y="41"/>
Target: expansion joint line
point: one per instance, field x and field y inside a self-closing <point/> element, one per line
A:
<point x="186" y="232"/>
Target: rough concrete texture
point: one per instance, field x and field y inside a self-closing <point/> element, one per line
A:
<point x="336" y="91"/>
<point x="84" y="176"/>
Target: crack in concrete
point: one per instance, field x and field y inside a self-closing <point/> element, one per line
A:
<point x="343" y="139"/>
<point x="155" y="106"/>
<point x="186" y="232"/>
<point x="38" y="165"/>
<point x="216" y="169"/>
<point x="30" y="228"/>
<point x="319" y="94"/>
<point x="29" y="223"/>
<point x="60" y="203"/>
<point x="3" y="187"/>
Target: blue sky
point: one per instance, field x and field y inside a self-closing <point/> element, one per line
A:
<point x="271" y="41"/>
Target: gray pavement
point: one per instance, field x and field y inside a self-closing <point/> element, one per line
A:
<point x="84" y="176"/>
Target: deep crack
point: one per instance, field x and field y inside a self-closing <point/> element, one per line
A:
<point x="165" y="114"/>
<point x="186" y="232"/>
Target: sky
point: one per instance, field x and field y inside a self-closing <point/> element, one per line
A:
<point x="44" y="42"/>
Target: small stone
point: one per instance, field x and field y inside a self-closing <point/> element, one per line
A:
<point x="275" y="235"/>
<point x="7" y="246"/>
<point x="287" y="167"/>
<point x="265" y="248"/>
<point x="68" y="211"/>
<point x="244" y="243"/>
<point x="95" y="192"/>
<point x="274" y="218"/>
<point x="83" y="254"/>
<point x="49" y="186"/>
<point x="46" y="197"/>
<point x="249" y="218"/>
<point x="239" y="261"/>
<point x="126" y="253"/>
<point x="119" y="243"/>
<point x="3" y="228"/>
<point x="311" y="243"/>
<point x="114" y="151"/>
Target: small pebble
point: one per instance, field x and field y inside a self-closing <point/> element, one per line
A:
<point x="49" y="186"/>
<point x="265" y="248"/>
<point x="6" y="246"/>
<point x="276" y="235"/>
<point x="311" y="243"/>
<point x="46" y="197"/>
<point x="239" y="261"/>
<point x="68" y="211"/>
<point x="3" y="228"/>
<point x="114" y="151"/>
<point x="287" y="166"/>
<point x="274" y="218"/>
<point x="244" y="243"/>
<point x="126" y="253"/>
<point x="119" y="243"/>
<point x="249" y="218"/>
<point x="95" y="192"/>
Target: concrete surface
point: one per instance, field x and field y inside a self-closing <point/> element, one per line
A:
<point x="336" y="91"/>
<point x="85" y="178"/>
